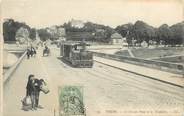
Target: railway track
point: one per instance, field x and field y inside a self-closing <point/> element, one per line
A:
<point x="137" y="82"/>
<point x="145" y="76"/>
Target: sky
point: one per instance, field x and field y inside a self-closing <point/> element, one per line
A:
<point x="44" y="13"/>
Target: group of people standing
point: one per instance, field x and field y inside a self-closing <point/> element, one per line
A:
<point x="33" y="88"/>
<point x="31" y="52"/>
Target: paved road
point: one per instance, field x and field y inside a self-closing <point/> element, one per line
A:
<point x="107" y="91"/>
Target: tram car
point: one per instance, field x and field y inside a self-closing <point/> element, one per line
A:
<point x="76" y="54"/>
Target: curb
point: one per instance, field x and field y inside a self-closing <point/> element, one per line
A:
<point x="9" y="73"/>
<point x="143" y="62"/>
<point x="163" y="81"/>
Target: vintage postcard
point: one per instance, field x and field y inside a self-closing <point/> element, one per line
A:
<point x="92" y="57"/>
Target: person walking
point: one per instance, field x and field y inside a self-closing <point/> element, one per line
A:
<point x="32" y="51"/>
<point x="38" y="83"/>
<point x="28" y="53"/>
<point x="30" y="90"/>
<point x="33" y="88"/>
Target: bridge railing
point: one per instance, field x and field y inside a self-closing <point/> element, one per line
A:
<point x="161" y="65"/>
<point x="13" y="68"/>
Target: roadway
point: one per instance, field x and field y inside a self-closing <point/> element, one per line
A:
<point x="107" y="90"/>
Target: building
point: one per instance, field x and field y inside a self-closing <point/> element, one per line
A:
<point x="100" y="30"/>
<point x="116" y="38"/>
<point x="53" y="32"/>
<point x="124" y="42"/>
<point x="77" y="23"/>
<point x="61" y="32"/>
<point x="56" y="32"/>
<point x="144" y="44"/>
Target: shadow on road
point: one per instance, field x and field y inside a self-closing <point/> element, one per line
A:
<point x="28" y="107"/>
<point x="65" y="62"/>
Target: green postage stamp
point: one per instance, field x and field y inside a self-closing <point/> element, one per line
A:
<point x="71" y="101"/>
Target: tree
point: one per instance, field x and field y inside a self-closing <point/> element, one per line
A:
<point x="32" y="34"/>
<point x="126" y="30"/>
<point x="10" y="28"/>
<point x="143" y="32"/>
<point x="165" y="34"/>
<point x="138" y="32"/>
<point x="22" y="35"/>
<point x="178" y="34"/>
<point x="43" y="34"/>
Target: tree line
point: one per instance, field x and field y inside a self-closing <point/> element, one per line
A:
<point x="135" y="34"/>
<point x="141" y="31"/>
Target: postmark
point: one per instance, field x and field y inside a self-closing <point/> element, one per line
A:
<point x="71" y="101"/>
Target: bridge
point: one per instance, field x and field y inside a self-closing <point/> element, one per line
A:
<point x="109" y="86"/>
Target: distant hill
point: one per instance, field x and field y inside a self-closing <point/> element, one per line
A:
<point x="90" y="32"/>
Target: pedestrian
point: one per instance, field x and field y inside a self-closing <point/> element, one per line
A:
<point x="28" y="53"/>
<point x="46" y="47"/>
<point x="38" y="83"/>
<point x="30" y="90"/>
<point x="34" y="51"/>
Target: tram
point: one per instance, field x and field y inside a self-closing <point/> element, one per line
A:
<point x="76" y="54"/>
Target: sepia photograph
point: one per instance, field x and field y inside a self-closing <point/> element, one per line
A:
<point x="92" y="57"/>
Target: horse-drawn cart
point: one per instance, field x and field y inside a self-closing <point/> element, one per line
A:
<point x="46" y="52"/>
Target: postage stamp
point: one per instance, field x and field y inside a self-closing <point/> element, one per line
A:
<point x="71" y="101"/>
